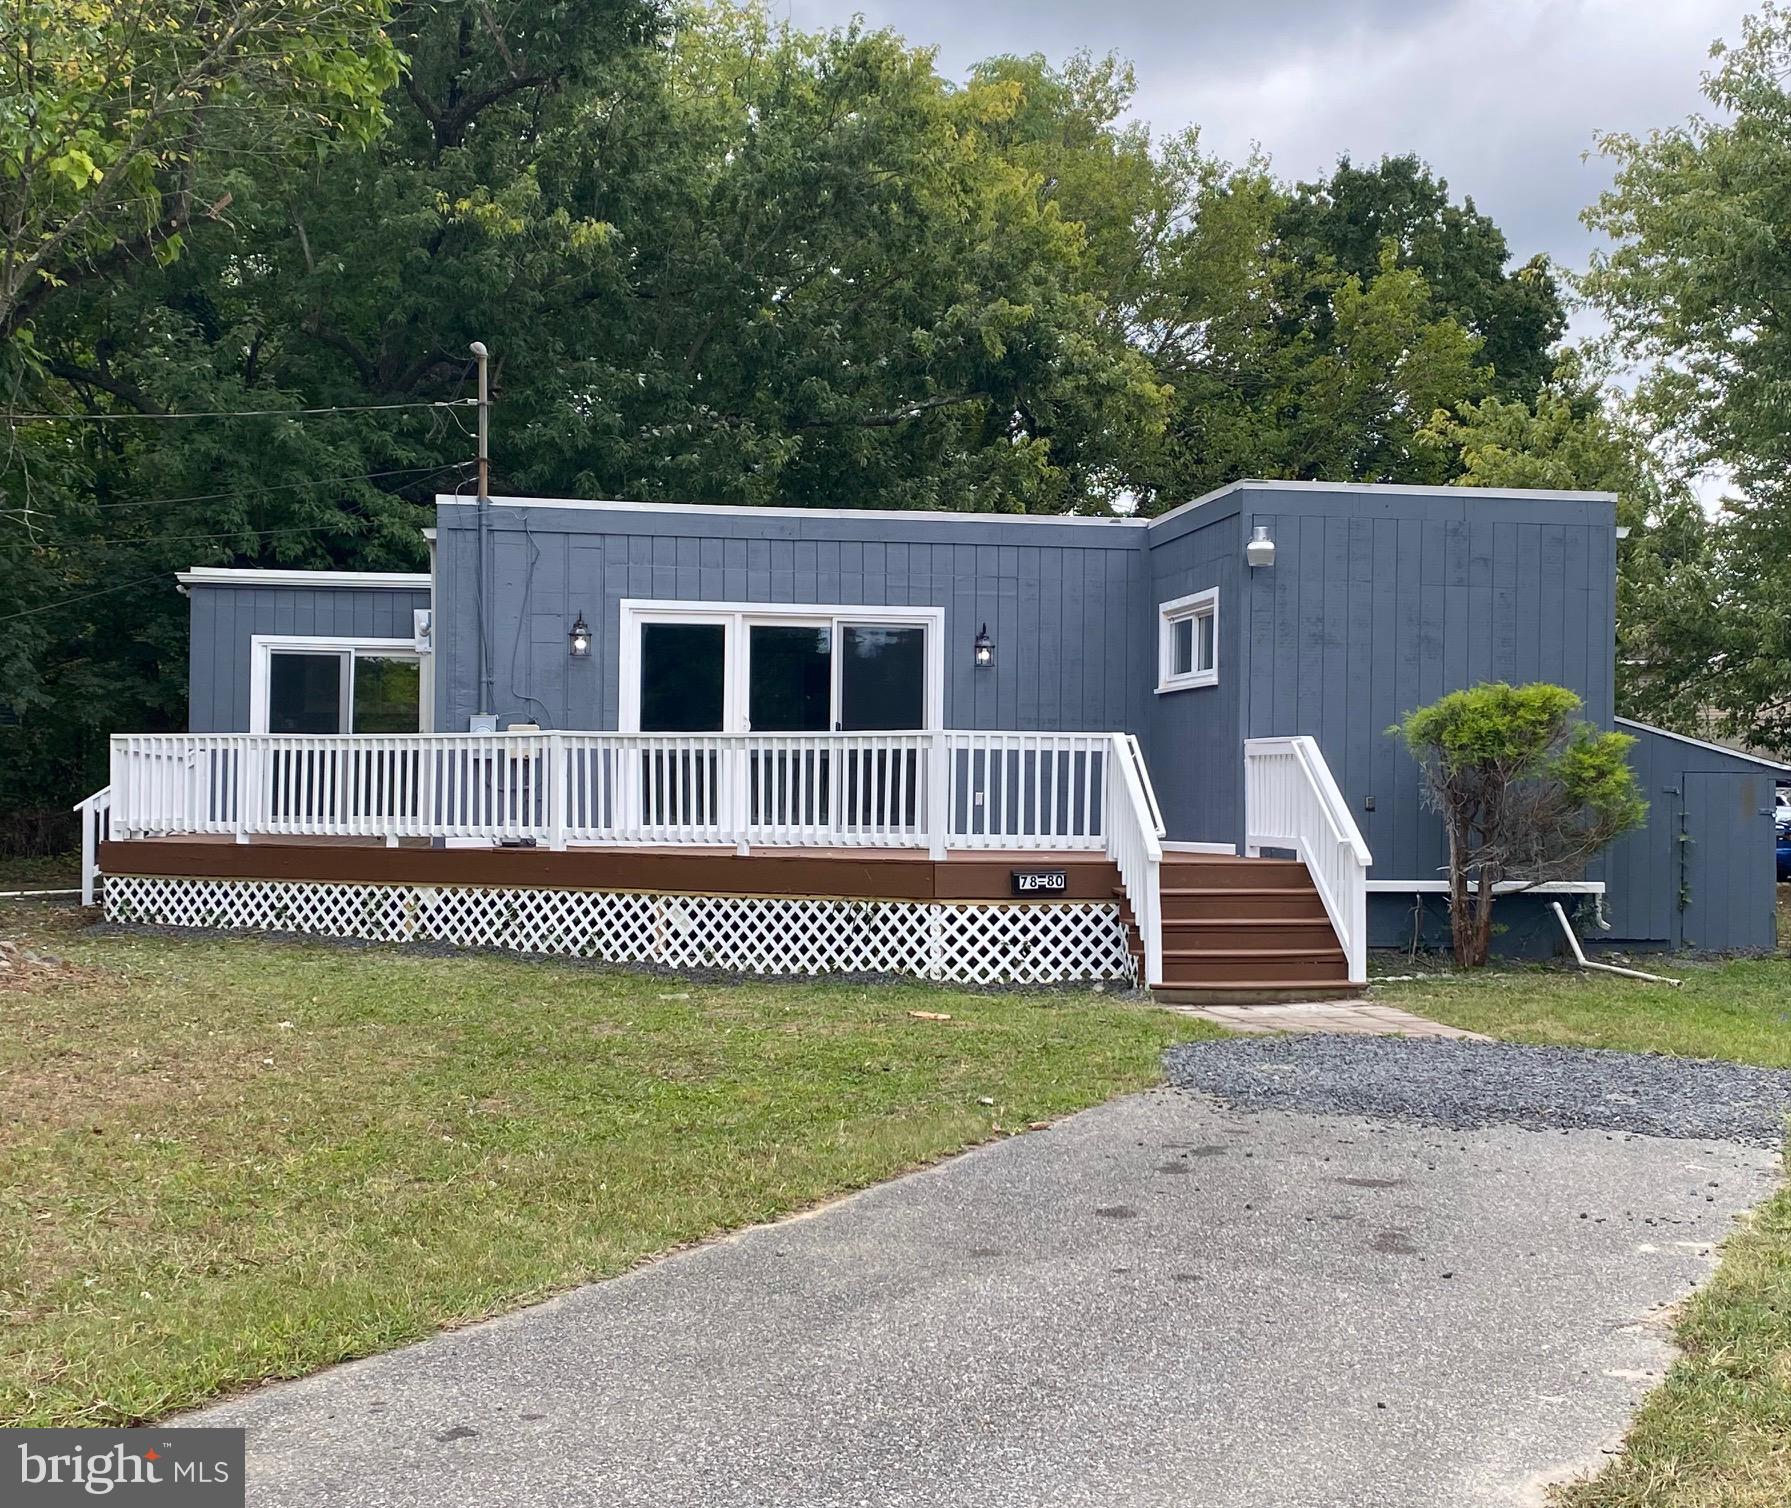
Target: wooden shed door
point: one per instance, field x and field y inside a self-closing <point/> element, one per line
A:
<point x="1726" y="858"/>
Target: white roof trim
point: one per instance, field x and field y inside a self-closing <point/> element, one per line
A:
<point x="257" y="576"/>
<point x="1699" y="743"/>
<point x="946" y="515"/>
<point x="1387" y="489"/>
<point x="1505" y="887"/>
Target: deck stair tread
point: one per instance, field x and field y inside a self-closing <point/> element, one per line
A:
<point x="1241" y="927"/>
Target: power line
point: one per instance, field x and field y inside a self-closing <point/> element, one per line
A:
<point x="212" y="497"/>
<point x="104" y="591"/>
<point x="245" y="413"/>
<point x="45" y="607"/>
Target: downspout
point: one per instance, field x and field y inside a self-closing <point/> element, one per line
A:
<point x="481" y="565"/>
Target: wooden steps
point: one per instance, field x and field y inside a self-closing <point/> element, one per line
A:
<point x="1243" y="929"/>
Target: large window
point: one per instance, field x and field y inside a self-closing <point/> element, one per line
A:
<point x="324" y="686"/>
<point x="1188" y="642"/>
<point x="737" y="668"/>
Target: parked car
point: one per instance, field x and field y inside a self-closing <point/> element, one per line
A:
<point x="1784" y="849"/>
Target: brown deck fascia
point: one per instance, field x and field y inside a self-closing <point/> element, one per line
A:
<point x="880" y="874"/>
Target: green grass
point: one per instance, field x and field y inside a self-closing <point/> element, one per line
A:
<point x="57" y="871"/>
<point x="1740" y="1010"/>
<point x="227" y="1161"/>
<point x="1717" y="1432"/>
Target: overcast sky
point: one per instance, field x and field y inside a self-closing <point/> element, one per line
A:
<point x="1500" y="99"/>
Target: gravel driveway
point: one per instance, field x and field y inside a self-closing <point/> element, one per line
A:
<point x="1244" y="1301"/>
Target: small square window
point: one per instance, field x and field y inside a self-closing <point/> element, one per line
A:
<point x="1188" y="649"/>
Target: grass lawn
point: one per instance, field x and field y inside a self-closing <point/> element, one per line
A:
<point x="1739" y="1010"/>
<point x="227" y="1161"/>
<point x="1717" y="1432"/>
<point x="57" y="871"/>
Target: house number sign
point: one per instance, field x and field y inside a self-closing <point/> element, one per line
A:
<point x="1040" y="881"/>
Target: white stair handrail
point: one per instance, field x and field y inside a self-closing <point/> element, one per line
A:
<point x="96" y="817"/>
<point x="1292" y="801"/>
<point x="1134" y="845"/>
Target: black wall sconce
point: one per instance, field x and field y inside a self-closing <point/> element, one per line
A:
<point x="984" y="654"/>
<point x="581" y="638"/>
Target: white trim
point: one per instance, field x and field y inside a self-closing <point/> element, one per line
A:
<point x="1192" y="608"/>
<point x="1384" y="489"/>
<point x="1229" y="849"/>
<point x="415" y="581"/>
<point x="262" y="646"/>
<point x="948" y="515"/>
<point x="952" y="515"/>
<point x="737" y="616"/>
<point x="1506" y="887"/>
<point x="1699" y="743"/>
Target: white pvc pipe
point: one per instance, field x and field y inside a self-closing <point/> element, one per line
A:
<point x="1604" y="968"/>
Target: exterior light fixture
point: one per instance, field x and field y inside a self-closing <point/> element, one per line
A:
<point x="581" y="638"/>
<point x="984" y="655"/>
<point x="1261" y="549"/>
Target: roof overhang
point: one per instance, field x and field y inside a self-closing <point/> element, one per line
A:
<point x="1703" y="743"/>
<point x="256" y="576"/>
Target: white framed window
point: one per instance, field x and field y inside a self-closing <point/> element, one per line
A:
<point x="1188" y="641"/>
<point x="738" y="667"/>
<point x="337" y="685"/>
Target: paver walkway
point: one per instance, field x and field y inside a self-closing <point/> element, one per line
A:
<point x="1157" y="1303"/>
<point x="1358" y="1018"/>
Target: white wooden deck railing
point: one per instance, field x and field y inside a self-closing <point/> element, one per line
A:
<point x="932" y="790"/>
<point x="96" y="817"/>
<point x="1291" y="802"/>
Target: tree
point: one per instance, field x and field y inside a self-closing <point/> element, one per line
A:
<point x="122" y="117"/>
<point x="1696" y="286"/>
<point x="1347" y="220"/>
<point x="1527" y="791"/>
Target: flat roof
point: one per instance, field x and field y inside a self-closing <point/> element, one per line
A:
<point x="1107" y="521"/>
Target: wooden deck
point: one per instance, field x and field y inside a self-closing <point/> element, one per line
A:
<point x="854" y="873"/>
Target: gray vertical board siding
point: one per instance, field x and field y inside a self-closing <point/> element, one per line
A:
<point x="1379" y="602"/>
<point x="1191" y="741"/>
<point x="1700" y="873"/>
<point x="224" y="619"/>
<point x="1058" y="600"/>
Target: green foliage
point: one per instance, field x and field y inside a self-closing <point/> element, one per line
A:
<point x="119" y="114"/>
<point x="1528" y="793"/>
<point x="1312" y="332"/>
<point x="1692" y="285"/>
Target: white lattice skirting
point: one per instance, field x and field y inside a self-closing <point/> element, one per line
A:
<point x="1044" y="942"/>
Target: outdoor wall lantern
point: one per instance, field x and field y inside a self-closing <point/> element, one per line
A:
<point x="1261" y="549"/>
<point x="984" y="650"/>
<point x="581" y="638"/>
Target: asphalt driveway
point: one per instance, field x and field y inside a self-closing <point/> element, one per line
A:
<point x="1162" y="1301"/>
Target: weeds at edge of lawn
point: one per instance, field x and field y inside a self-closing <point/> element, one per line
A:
<point x="1717" y="1432"/>
<point x="229" y="1162"/>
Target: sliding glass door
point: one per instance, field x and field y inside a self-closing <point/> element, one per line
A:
<point x="784" y="676"/>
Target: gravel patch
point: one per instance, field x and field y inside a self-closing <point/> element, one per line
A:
<point x="1469" y="1084"/>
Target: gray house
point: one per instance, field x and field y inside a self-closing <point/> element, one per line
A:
<point x="958" y="745"/>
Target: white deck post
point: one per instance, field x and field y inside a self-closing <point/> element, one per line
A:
<point x="557" y="776"/>
<point x="89" y="820"/>
<point x="938" y="793"/>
